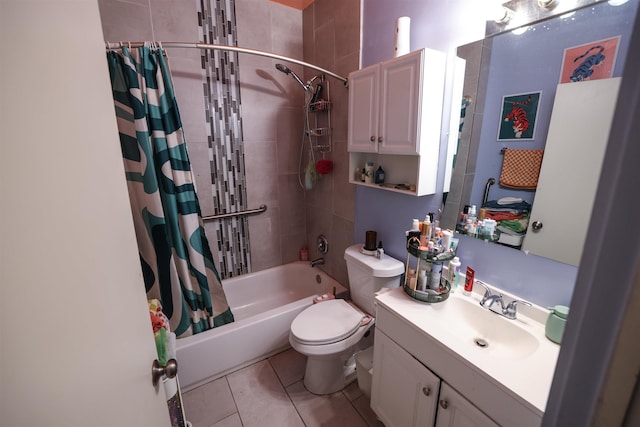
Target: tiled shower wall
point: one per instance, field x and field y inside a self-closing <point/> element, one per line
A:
<point x="332" y="41"/>
<point x="272" y="115"/>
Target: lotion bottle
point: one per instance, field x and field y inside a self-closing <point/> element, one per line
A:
<point x="454" y="273"/>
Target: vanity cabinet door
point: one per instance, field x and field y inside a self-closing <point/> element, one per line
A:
<point x="404" y="392"/>
<point x="456" y="411"/>
<point x="364" y="86"/>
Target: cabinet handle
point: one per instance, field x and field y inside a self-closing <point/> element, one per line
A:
<point x="379" y="139"/>
<point x="444" y="404"/>
<point x="373" y="138"/>
<point x="537" y="225"/>
<point x="426" y="391"/>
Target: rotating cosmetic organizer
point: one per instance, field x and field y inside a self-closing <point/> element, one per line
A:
<point x="427" y="261"/>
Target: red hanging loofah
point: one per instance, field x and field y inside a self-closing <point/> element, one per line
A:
<point x="324" y="166"/>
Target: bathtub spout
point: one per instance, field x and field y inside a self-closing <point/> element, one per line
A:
<point x="318" y="261"/>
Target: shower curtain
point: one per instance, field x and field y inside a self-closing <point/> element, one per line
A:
<point x="177" y="264"/>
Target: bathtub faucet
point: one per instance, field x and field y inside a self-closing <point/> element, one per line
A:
<point x="318" y="261"/>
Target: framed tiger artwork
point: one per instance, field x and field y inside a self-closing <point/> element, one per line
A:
<point x="589" y="61"/>
<point x="518" y="117"/>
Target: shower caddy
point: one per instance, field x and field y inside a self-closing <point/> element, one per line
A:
<point x="320" y="133"/>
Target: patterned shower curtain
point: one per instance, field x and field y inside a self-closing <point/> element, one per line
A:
<point x="177" y="263"/>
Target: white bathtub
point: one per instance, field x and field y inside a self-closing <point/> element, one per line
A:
<point x="264" y="304"/>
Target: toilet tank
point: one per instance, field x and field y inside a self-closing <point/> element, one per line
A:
<point x="368" y="274"/>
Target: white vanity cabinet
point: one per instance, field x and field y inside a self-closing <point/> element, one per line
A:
<point x="395" y="118"/>
<point x="406" y="393"/>
<point x="427" y="371"/>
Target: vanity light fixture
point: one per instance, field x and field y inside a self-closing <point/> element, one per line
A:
<point x="548" y="4"/>
<point x="617" y="2"/>
<point x="503" y="15"/>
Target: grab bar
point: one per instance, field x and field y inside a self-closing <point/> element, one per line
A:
<point x="261" y="209"/>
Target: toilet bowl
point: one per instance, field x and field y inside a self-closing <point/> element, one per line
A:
<point x="329" y="332"/>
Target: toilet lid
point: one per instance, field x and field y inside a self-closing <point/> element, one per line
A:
<point x="326" y="322"/>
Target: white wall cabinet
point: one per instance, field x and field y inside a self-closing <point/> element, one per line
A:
<point x="406" y="393"/>
<point x="395" y="119"/>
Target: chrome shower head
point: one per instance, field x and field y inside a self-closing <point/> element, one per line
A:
<point x="286" y="70"/>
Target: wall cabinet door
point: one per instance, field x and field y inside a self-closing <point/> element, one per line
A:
<point x="404" y="392"/>
<point x="400" y="93"/>
<point x="573" y="155"/>
<point x="456" y="411"/>
<point x="364" y="87"/>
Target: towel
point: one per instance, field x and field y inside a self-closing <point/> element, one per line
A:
<point x="521" y="168"/>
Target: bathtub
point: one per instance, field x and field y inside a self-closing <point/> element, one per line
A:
<point x="264" y="304"/>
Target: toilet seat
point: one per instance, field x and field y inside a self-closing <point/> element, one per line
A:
<point x="326" y="323"/>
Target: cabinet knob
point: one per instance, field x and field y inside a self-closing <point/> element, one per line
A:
<point x="426" y="391"/>
<point x="379" y="139"/>
<point x="444" y="404"/>
<point x="536" y="225"/>
<point x="373" y="138"/>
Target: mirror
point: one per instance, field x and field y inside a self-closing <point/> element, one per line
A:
<point x="510" y="110"/>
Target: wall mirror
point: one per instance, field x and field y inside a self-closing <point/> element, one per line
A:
<point x="538" y="100"/>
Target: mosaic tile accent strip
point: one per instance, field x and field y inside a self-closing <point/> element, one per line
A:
<point x="217" y="25"/>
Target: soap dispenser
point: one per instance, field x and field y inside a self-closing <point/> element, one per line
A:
<point x="554" y="328"/>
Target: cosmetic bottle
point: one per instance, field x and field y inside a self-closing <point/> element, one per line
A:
<point x="379" y="177"/>
<point x="422" y="280"/>
<point x="436" y="274"/>
<point x="426" y="228"/>
<point x="469" y="280"/>
<point x="454" y="273"/>
<point x="414" y="231"/>
<point x="304" y="254"/>
<point x="380" y="251"/>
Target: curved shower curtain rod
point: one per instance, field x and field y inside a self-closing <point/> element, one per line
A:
<point x="109" y="45"/>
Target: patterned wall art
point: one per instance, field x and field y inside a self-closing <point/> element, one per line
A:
<point x="590" y="61"/>
<point x="518" y="116"/>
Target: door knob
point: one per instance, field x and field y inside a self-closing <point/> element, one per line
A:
<point x="379" y="139"/>
<point x="536" y="225"/>
<point x="157" y="371"/>
<point x="373" y="138"/>
<point x="444" y="404"/>
<point x="426" y="391"/>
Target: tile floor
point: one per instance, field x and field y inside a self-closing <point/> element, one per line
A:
<point x="270" y="393"/>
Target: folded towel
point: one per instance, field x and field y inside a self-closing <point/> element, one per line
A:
<point x="521" y="168"/>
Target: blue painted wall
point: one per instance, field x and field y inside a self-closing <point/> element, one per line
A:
<point x="443" y="27"/>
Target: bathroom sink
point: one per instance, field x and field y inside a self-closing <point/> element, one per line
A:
<point x="488" y="332"/>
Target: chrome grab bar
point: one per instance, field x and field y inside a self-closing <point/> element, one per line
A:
<point x="261" y="209"/>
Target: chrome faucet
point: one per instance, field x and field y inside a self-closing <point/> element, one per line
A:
<point x="488" y="299"/>
<point x="317" y="261"/>
<point x="510" y="311"/>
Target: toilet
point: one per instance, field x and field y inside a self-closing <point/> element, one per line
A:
<point x="329" y="332"/>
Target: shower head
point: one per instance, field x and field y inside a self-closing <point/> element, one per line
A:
<point x="286" y="70"/>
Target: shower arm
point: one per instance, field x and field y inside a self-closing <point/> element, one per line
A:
<point x="110" y="45"/>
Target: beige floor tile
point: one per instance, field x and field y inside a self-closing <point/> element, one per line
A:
<point x="230" y="421"/>
<point x="352" y="391"/>
<point x="261" y="399"/>
<point x="362" y="405"/>
<point x="209" y="403"/>
<point x="329" y="410"/>
<point x="289" y="366"/>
